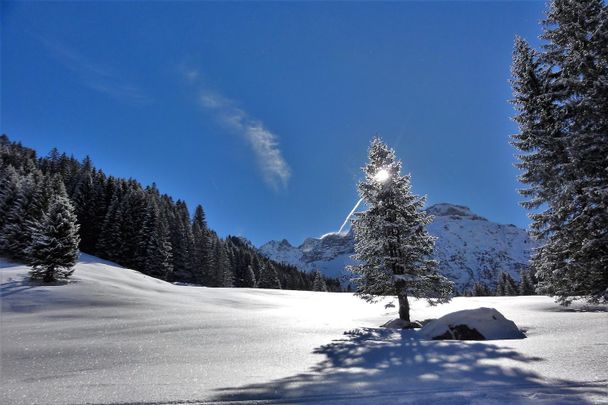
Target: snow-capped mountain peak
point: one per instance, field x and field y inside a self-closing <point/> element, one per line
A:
<point x="469" y="248"/>
<point x="453" y="210"/>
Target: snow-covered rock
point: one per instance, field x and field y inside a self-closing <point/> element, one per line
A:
<point x="472" y="324"/>
<point x="469" y="248"/>
<point x="401" y="324"/>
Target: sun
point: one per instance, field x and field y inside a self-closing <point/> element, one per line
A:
<point x="382" y="175"/>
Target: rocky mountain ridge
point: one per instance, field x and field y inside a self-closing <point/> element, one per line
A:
<point x="469" y="247"/>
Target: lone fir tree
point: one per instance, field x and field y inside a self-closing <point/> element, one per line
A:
<point x="392" y="246"/>
<point x="54" y="248"/>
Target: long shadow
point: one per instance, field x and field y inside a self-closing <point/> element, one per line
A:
<point x="390" y="366"/>
<point x="13" y="287"/>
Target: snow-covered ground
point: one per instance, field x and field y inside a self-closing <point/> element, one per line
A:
<point x="113" y="335"/>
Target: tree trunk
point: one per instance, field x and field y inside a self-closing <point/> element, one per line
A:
<point x="49" y="275"/>
<point x="404" y="308"/>
<point x="404" y="305"/>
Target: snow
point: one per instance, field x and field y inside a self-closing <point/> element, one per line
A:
<point x="113" y="335"/>
<point x="487" y="321"/>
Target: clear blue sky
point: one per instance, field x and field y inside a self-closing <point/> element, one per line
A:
<point x="263" y="112"/>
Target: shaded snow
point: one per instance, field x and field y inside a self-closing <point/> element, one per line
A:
<point x="113" y="335"/>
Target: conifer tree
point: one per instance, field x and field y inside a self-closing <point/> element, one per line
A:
<point x="392" y="246"/>
<point x="481" y="290"/>
<point x="54" y="248"/>
<point x="201" y="248"/>
<point x="318" y="283"/>
<point x="561" y="94"/>
<point x="109" y="244"/>
<point x="85" y="201"/>
<point x="16" y="235"/>
<point x="250" y="280"/>
<point x="9" y="183"/>
<point x="226" y="273"/>
<point x="154" y="245"/>
<point x="526" y="287"/>
<point x="181" y="239"/>
<point x="269" y="277"/>
<point x="506" y="285"/>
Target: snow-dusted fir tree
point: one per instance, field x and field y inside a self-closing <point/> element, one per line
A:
<point x="16" y="234"/>
<point x="561" y="97"/>
<point x="109" y="243"/>
<point x="250" y="278"/>
<point x="481" y="290"/>
<point x="201" y="247"/>
<point x="154" y="246"/>
<point x="506" y="285"/>
<point x="54" y="248"/>
<point x="9" y="186"/>
<point x="526" y="287"/>
<point x="392" y="246"/>
<point x="268" y="277"/>
<point x="319" y="284"/>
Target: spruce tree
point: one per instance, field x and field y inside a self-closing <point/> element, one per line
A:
<point x="250" y="280"/>
<point x="226" y="273"/>
<point x="318" y="283"/>
<point x="53" y="251"/>
<point x="526" y="287"/>
<point x="181" y="239"/>
<point x="85" y="202"/>
<point x="201" y="247"/>
<point x="392" y="246"/>
<point x="481" y="290"/>
<point x="561" y="94"/>
<point x="16" y="234"/>
<point x="154" y="250"/>
<point x="9" y="186"/>
<point x="109" y="244"/>
<point x="269" y="277"/>
<point x="506" y="285"/>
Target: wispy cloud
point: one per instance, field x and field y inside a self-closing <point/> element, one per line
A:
<point x="94" y="75"/>
<point x="263" y="143"/>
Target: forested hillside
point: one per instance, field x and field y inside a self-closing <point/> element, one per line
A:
<point x="135" y="226"/>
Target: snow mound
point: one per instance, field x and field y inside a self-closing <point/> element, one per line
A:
<point x="487" y="322"/>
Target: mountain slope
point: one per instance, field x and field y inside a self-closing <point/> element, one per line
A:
<point x="469" y="248"/>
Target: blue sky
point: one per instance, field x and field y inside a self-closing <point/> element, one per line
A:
<point x="263" y="112"/>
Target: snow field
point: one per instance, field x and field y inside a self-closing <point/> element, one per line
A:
<point x="113" y="335"/>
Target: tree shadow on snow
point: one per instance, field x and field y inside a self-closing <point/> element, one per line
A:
<point x="14" y="286"/>
<point x="11" y="286"/>
<point x="393" y="366"/>
<point x="581" y="308"/>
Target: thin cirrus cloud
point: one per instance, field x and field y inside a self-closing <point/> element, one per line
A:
<point x="96" y="77"/>
<point x="263" y="143"/>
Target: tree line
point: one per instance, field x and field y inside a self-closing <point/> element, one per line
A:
<point x="54" y="205"/>
<point x="506" y="286"/>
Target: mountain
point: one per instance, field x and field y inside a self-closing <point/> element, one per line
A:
<point x="469" y="248"/>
